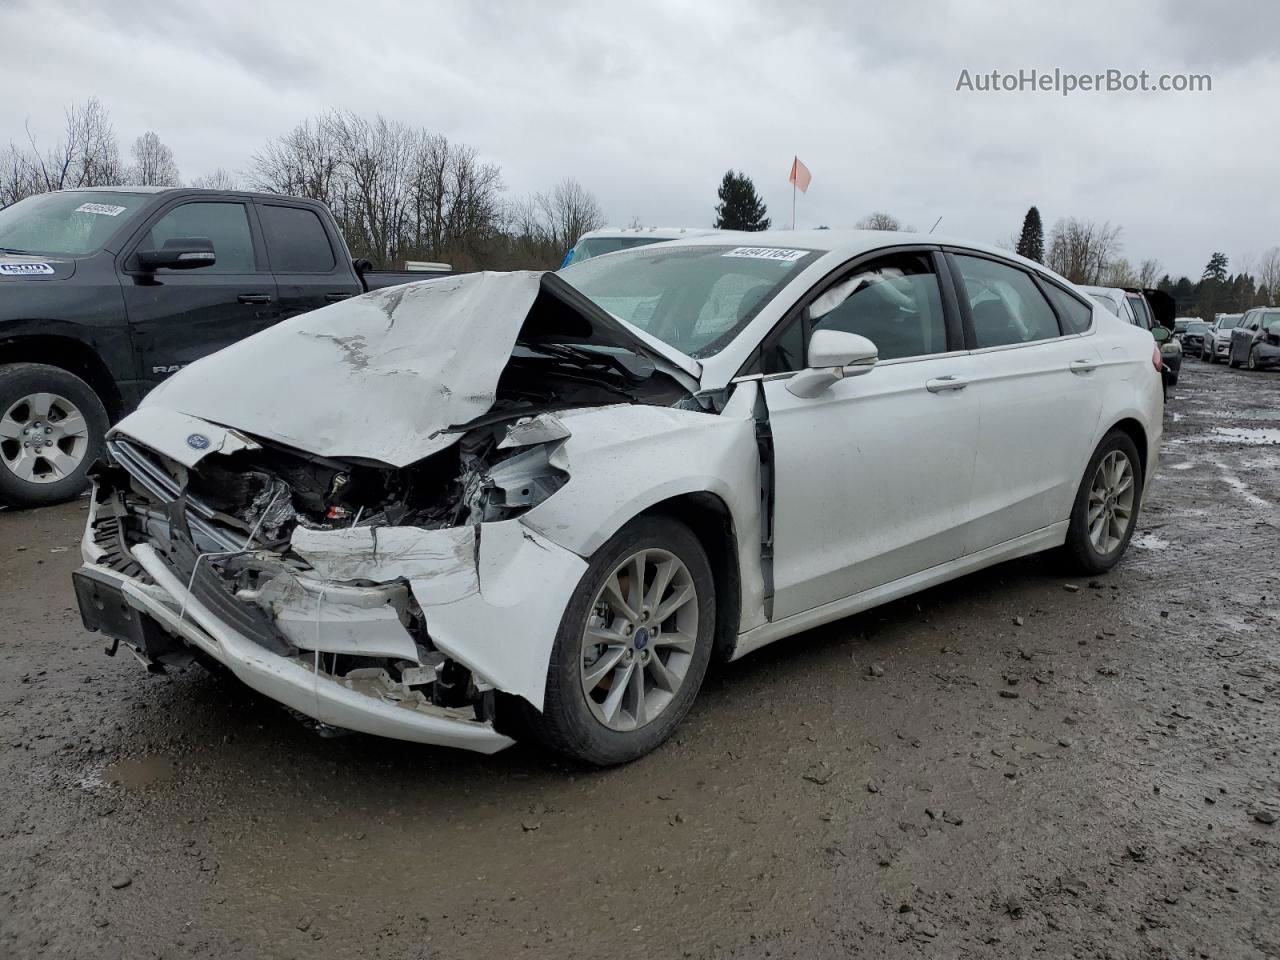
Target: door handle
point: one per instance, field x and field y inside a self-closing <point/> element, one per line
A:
<point x="254" y="298"/>
<point x="942" y="384"/>
<point x="335" y="297"/>
<point x="1083" y="366"/>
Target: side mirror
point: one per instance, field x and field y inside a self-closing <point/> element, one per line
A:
<point x="180" y="253"/>
<point x="833" y="355"/>
<point x="1161" y="334"/>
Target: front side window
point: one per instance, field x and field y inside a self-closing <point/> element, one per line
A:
<point x="71" y="224"/>
<point x="296" y="240"/>
<point x="694" y="298"/>
<point x="1074" y="315"/>
<point x="225" y="225"/>
<point x="1006" y="304"/>
<point x="893" y="301"/>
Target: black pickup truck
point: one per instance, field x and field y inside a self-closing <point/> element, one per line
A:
<point x="106" y="291"/>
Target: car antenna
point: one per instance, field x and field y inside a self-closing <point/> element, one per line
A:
<point x="935" y="225"/>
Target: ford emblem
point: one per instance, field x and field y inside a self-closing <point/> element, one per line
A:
<point x="198" y="441"/>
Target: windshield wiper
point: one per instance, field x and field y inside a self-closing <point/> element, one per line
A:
<point x="631" y="365"/>
<point x="14" y="250"/>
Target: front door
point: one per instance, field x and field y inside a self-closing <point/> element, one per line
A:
<point x="179" y="316"/>
<point x="871" y="477"/>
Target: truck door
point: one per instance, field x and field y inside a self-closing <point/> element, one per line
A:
<point x="304" y="258"/>
<point x="178" y="316"/>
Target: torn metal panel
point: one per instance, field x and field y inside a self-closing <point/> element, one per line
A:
<point x="442" y="561"/>
<point x="504" y="632"/>
<point x="544" y="428"/>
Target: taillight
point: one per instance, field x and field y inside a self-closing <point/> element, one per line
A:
<point x="1156" y="361"/>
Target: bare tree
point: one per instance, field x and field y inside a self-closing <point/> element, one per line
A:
<point x="569" y="211"/>
<point x="1148" y="273"/>
<point x="87" y="156"/>
<point x="879" y="221"/>
<point x="219" y="179"/>
<point x="1269" y="276"/>
<point x="153" y="164"/>
<point x="1119" y="273"/>
<point x="1082" y="250"/>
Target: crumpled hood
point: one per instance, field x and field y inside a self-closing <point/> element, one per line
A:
<point x="381" y="376"/>
<point x="16" y="266"/>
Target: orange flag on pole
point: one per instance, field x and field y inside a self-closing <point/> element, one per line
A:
<point x="800" y="176"/>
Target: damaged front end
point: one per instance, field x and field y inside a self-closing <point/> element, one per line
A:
<point x="398" y="599"/>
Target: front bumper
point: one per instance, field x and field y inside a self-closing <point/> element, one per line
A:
<point x="492" y="598"/>
<point x="294" y="682"/>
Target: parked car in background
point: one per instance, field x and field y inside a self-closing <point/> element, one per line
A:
<point x="1180" y="326"/>
<point x="1217" y="339"/>
<point x="107" y="291"/>
<point x="534" y="506"/>
<point x="1192" y="336"/>
<point x="612" y="239"/>
<point x="1255" y="343"/>
<point x="1151" y="310"/>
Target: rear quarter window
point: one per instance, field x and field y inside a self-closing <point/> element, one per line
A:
<point x="296" y="240"/>
<point x="1074" y="315"/>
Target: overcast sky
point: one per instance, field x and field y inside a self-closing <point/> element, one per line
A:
<point x="648" y="104"/>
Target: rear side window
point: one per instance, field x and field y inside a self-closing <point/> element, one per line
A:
<point x="296" y="240"/>
<point x="225" y="225"/>
<point x="1140" y="311"/>
<point x="1006" y="304"/>
<point x="1074" y="315"/>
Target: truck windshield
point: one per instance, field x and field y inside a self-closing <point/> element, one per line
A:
<point x="73" y="224"/>
<point x="695" y="298"/>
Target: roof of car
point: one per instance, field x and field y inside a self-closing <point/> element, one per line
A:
<point x="664" y="233"/>
<point x="139" y="189"/>
<point x="850" y="243"/>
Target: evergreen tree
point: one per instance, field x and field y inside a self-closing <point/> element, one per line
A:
<point x="1031" y="242"/>
<point x="1216" y="268"/>
<point x="740" y="207"/>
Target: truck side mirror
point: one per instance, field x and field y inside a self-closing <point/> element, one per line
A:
<point x="179" y="253"/>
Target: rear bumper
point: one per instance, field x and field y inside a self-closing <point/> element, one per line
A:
<point x="364" y="705"/>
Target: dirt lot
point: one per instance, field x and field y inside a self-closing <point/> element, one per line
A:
<point x="1047" y="765"/>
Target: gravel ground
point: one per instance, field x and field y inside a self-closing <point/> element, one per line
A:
<point x="1045" y="765"/>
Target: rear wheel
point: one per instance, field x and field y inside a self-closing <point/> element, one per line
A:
<point x="1106" y="506"/>
<point x="52" y="426"/>
<point x="632" y="648"/>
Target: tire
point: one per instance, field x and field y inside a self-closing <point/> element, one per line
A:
<point x="1253" y="360"/>
<point x="1081" y="549"/>
<point x="568" y="723"/>
<point x="1231" y="359"/>
<point x="1213" y="356"/>
<point x="72" y="423"/>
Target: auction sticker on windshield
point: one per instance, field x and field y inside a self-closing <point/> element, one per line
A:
<point x="25" y="269"/>
<point x="103" y="209"/>
<point x="768" y="253"/>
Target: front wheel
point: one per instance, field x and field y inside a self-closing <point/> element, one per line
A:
<point x="632" y="647"/>
<point x="52" y="426"/>
<point x="1106" y="507"/>
<point x="1253" y="359"/>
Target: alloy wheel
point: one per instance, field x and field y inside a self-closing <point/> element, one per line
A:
<point x="639" y="640"/>
<point x="43" y="438"/>
<point x="1111" y="499"/>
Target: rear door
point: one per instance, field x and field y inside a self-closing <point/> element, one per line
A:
<point x="311" y="268"/>
<point x="1035" y="378"/>
<point x="178" y="316"/>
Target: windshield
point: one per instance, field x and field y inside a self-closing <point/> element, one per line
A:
<point x="695" y="298"/>
<point x="1180" y="326"/>
<point x="1197" y="326"/>
<point x="595" y="246"/>
<point x="74" y="224"/>
<point x="1229" y="321"/>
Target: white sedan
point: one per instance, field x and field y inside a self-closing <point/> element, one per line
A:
<point x="535" y="506"/>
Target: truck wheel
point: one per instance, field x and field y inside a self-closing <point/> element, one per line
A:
<point x="52" y="427"/>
